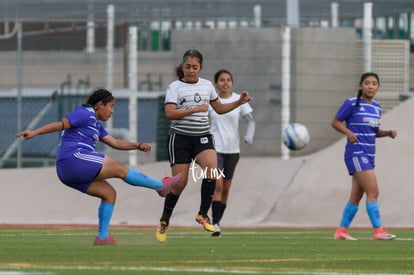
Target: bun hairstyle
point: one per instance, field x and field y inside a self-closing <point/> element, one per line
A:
<point x="189" y="53"/>
<point x="99" y="95"/>
<point x="363" y="77"/>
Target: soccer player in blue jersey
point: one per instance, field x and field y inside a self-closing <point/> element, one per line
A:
<point x="186" y="104"/>
<point x="362" y="117"/>
<point x="79" y="166"/>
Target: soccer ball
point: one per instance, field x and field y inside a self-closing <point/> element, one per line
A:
<point x="295" y="136"/>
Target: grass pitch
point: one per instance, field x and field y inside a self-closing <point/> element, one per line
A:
<point x="193" y="251"/>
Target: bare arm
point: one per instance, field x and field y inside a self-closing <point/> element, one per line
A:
<point x="121" y="144"/>
<point x="45" y="129"/>
<point x="171" y="111"/>
<point x="386" y="133"/>
<point x="340" y="127"/>
<point x="221" y="108"/>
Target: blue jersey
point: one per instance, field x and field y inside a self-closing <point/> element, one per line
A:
<point x="83" y="135"/>
<point x="364" y="121"/>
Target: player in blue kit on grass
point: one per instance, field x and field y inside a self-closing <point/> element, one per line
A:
<point x="362" y="117"/>
<point x="79" y="166"/>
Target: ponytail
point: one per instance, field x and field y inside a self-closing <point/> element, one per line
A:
<point x="179" y="71"/>
<point x="358" y="97"/>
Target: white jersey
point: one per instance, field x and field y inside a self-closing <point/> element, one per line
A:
<point x="190" y="95"/>
<point x="225" y="127"/>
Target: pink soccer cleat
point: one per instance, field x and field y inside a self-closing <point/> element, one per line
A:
<point x="381" y="234"/>
<point x="167" y="183"/>
<point x="108" y="241"/>
<point x="342" y="234"/>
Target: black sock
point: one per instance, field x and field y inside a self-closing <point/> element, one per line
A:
<point x="223" y="207"/>
<point x="169" y="204"/>
<point x="207" y="191"/>
<point x="216" y="207"/>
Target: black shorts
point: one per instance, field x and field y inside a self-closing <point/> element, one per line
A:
<point x="184" y="149"/>
<point x="227" y="163"/>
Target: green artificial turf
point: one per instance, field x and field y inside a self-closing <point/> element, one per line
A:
<point x="193" y="251"/>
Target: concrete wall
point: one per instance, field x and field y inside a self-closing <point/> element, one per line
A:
<point x="411" y="70"/>
<point x="324" y="74"/>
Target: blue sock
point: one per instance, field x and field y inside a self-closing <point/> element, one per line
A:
<point x="138" y="179"/>
<point x="374" y="213"/>
<point x="104" y="215"/>
<point x="348" y="215"/>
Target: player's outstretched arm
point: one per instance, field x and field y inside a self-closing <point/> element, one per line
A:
<point x="121" y="144"/>
<point x="45" y="129"/>
<point x="222" y="108"/>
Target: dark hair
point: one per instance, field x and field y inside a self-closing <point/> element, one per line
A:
<point x="363" y="77"/>
<point x="189" y="53"/>
<point x="99" y="95"/>
<point x="220" y="72"/>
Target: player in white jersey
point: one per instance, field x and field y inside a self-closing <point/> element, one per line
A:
<point x="186" y="104"/>
<point x="225" y="129"/>
<point x="362" y="117"/>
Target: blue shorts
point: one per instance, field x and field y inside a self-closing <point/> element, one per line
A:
<point x="79" y="170"/>
<point x="359" y="163"/>
<point x="227" y="163"/>
<point x="183" y="149"/>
